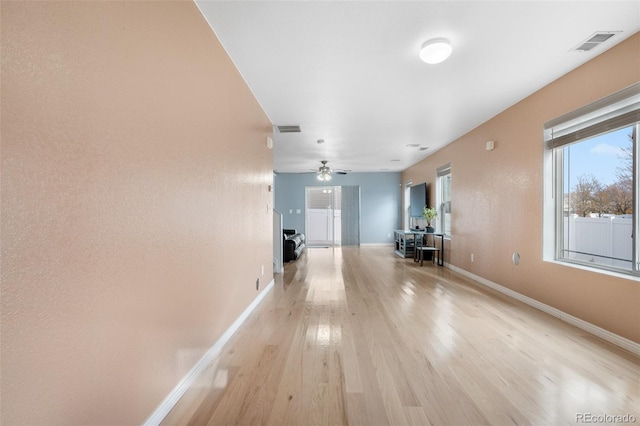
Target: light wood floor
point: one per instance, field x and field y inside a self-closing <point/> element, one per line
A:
<point x="359" y="336"/>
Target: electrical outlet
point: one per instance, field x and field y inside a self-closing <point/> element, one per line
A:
<point x="388" y="234"/>
<point x="472" y="258"/>
<point x="257" y="284"/>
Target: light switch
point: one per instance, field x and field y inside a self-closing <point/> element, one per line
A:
<point x="298" y="211"/>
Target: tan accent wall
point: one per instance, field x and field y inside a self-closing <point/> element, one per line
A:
<point x="135" y="205"/>
<point x="497" y="198"/>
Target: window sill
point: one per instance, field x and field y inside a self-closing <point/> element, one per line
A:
<point x="623" y="275"/>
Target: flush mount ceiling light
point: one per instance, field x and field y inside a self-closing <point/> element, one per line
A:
<point x="435" y="50"/>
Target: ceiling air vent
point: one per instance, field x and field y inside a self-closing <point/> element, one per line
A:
<point x="595" y="40"/>
<point x="289" y="129"/>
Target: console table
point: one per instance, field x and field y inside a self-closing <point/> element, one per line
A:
<point x="404" y="243"/>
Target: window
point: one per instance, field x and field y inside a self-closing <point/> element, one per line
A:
<point x="407" y="203"/>
<point x="443" y="199"/>
<point x="591" y="172"/>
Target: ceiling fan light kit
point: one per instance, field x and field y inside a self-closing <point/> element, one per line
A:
<point x="324" y="173"/>
<point x="435" y="50"/>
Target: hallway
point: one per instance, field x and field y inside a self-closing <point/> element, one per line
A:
<point x="356" y="335"/>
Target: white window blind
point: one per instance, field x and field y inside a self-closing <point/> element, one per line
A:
<point x="613" y="112"/>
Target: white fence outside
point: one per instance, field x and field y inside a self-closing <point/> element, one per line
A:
<point x="324" y="227"/>
<point x="605" y="241"/>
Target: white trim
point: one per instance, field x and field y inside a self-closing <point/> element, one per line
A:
<point x="596" y="270"/>
<point x="375" y="244"/>
<point x="187" y="381"/>
<point x="610" y="337"/>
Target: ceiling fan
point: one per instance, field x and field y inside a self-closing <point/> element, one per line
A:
<point x="324" y="172"/>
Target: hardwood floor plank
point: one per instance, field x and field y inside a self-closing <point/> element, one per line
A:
<point x="416" y="416"/>
<point x="358" y="336"/>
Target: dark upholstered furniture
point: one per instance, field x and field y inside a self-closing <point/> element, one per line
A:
<point x="294" y="243"/>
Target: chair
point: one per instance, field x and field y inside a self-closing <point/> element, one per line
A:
<point x="421" y="251"/>
<point x="421" y="248"/>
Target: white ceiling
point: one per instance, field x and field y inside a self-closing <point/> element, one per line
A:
<point x="348" y="72"/>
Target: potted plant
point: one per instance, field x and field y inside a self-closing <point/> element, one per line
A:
<point x="429" y="213"/>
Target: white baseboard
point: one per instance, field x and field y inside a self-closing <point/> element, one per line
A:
<point x="187" y="381"/>
<point x="610" y="337"/>
<point x="278" y="267"/>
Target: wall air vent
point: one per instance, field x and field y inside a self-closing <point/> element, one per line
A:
<point x="289" y="129"/>
<point x="594" y="40"/>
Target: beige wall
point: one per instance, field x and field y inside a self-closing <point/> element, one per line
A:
<point x="135" y="213"/>
<point x="497" y="198"/>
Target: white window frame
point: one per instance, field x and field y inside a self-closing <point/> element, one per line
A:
<point x="619" y="110"/>
<point x="443" y="173"/>
<point x="407" y="204"/>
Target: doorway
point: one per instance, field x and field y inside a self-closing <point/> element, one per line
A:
<point x="332" y="215"/>
<point x="322" y="215"/>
